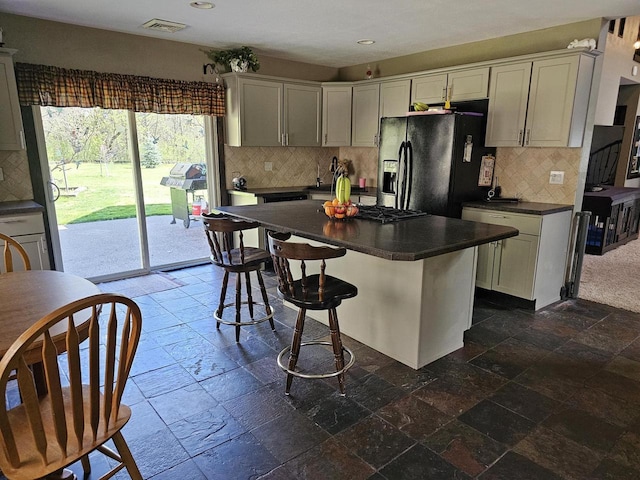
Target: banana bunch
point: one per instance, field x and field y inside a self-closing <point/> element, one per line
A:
<point x="343" y="189"/>
<point x="420" y="107"/>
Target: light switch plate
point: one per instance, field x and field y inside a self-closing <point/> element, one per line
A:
<point x="1" y="175"/>
<point x="556" y="177"/>
<point x="268" y="166"/>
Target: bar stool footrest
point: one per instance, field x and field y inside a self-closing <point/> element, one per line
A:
<point x="247" y="322"/>
<point x="347" y="366"/>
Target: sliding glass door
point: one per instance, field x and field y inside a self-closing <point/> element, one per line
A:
<point x="113" y="210"/>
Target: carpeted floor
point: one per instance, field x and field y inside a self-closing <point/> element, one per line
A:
<point x="613" y="278"/>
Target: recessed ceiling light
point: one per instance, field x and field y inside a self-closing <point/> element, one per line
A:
<point x="366" y="42"/>
<point x="202" y="5"/>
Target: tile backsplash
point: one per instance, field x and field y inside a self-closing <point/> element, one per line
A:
<point x="295" y="166"/>
<point x="521" y="172"/>
<point x="17" y="180"/>
<point x="524" y="173"/>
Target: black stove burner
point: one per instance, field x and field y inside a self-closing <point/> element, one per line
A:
<point x="386" y="214"/>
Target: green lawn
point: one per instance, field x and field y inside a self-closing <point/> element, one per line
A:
<point x="110" y="195"/>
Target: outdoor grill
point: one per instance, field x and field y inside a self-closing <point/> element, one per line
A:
<point x="184" y="178"/>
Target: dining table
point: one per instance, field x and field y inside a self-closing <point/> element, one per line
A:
<point x="26" y="297"/>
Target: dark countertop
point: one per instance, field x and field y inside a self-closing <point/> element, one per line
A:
<point x="614" y="193"/>
<point x="262" y="192"/>
<point x="533" y="208"/>
<point x="20" y="207"/>
<point x="408" y="240"/>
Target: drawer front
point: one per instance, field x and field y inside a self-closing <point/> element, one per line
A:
<point x="528" y="224"/>
<point x="21" y="224"/>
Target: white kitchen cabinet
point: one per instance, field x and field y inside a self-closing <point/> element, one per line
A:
<point x="263" y="113"/>
<point x="336" y="115"/>
<point x="459" y="85"/>
<point x="365" y="115"/>
<point x="11" y="132"/>
<point x="302" y="115"/>
<point x="371" y="102"/>
<point x="541" y="103"/>
<point x="530" y="265"/>
<point x="250" y="238"/>
<point x="28" y="230"/>
<point x="395" y="98"/>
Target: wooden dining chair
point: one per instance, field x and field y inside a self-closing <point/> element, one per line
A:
<point x="85" y="382"/>
<point x="307" y="291"/>
<point x="10" y="251"/>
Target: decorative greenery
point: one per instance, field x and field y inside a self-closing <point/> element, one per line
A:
<point x="242" y="54"/>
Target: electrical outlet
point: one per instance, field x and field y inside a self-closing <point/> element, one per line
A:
<point x="268" y="166"/>
<point x="1" y="175"/>
<point x="556" y="177"/>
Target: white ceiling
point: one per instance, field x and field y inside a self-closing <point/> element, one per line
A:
<point x="325" y="32"/>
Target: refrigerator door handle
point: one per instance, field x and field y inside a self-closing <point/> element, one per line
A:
<point x="409" y="160"/>
<point x="403" y="169"/>
<point x="397" y="185"/>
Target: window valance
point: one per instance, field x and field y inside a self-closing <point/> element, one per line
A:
<point x="62" y="87"/>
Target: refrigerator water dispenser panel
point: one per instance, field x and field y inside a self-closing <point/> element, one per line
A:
<point x="389" y="176"/>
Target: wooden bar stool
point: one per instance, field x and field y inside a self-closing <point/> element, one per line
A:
<point x="240" y="260"/>
<point x="310" y="292"/>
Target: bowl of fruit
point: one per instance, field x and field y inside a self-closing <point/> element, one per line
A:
<point x="341" y="207"/>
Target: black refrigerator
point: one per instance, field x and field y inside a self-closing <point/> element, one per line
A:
<point x="431" y="162"/>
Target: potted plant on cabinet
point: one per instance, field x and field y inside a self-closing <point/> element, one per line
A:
<point x="236" y="59"/>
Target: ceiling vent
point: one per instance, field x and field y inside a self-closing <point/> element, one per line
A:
<point x="163" y="25"/>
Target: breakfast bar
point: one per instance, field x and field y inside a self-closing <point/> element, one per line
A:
<point x="415" y="277"/>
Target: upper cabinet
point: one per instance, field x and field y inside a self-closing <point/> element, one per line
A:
<point x="336" y="115"/>
<point x="373" y="101"/>
<point x="263" y="113"/>
<point x="365" y="110"/>
<point x="542" y="103"/>
<point x="458" y="86"/>
<point x="395" y="98"/>
<point x="11" y="132"/>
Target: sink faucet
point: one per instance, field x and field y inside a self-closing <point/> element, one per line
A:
<point x="318" y="179"/>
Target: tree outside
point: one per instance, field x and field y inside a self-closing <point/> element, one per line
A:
<point x="89" y="157"/>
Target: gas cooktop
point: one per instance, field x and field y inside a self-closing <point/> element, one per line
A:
<point x="386" y="214"/>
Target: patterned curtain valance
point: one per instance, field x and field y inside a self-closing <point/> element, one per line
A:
<point x="62" y="87"/>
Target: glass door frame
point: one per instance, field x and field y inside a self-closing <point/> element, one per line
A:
<point x="212" y="160"/>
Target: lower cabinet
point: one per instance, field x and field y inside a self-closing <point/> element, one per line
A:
<point x="28" y="230"/>
<point x="532" y="264"/>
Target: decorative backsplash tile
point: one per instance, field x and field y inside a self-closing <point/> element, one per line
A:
<point x="17" y="180"/>
<point x="524" y="173"/>
<point x="521" y="172"/>
<point x="295" y="166"/>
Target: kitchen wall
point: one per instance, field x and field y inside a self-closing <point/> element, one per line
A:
<point x="296" y="166"/>
<point x="16" y="184"/>
<point x="524" y="173"/>
<point x="555" y="38"/>
<point x="53" y="43"/>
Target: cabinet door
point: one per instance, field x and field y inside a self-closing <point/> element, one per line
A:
<point x="336" y="116"/>
<point x="395" y="98"/>
<point x="11" y="133"/>
<point x="468" y="84"/>
<point x="551" y="95"/>
<point x="508" y="93"/>
<point x="253" y="237"/>
<point x="302" y="113"/>
<point x="364" y="132"/>
<point x="260" y="112"/>
<point x="429" y="88"/>
<point x="484" y="271"/>
<point x="514" y="266"/>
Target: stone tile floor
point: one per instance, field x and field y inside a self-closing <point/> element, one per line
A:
<point x="547" y="395"/>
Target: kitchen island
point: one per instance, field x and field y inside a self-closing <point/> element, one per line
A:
<point x="415" y="278"/>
